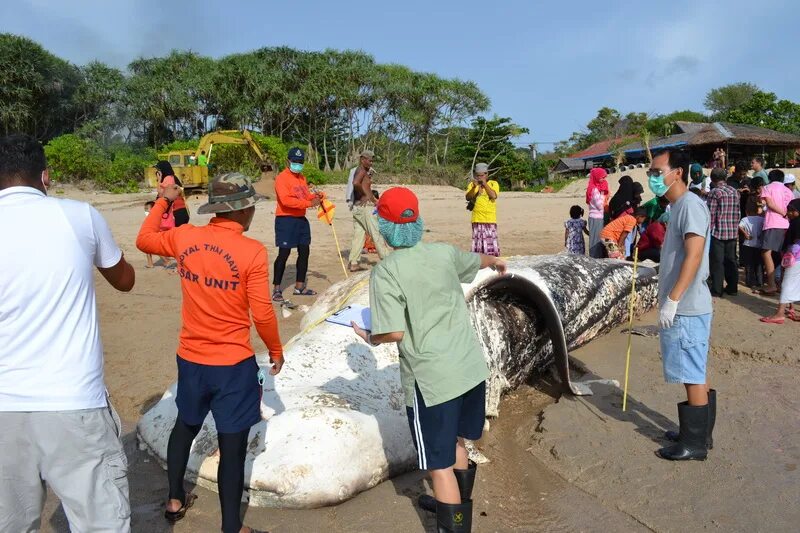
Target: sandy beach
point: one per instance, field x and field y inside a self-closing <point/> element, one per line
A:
<point x="557" y="463"/>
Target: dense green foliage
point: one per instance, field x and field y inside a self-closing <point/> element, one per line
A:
<point x="116" y="168"/>
<point x="332" y="103"/>
<point x="767" y="111"/>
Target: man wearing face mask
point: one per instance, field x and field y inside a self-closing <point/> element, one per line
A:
<point x="292" y="229"/>
<point x="684" y="303"/>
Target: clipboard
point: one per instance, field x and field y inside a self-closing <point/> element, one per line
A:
<point x="352" y="313"/>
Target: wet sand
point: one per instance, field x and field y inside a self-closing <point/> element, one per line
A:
<point x="557" y="464"/>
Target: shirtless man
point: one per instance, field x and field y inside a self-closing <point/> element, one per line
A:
<point x="364" y="221"/>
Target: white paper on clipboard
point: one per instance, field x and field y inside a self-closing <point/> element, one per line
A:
<point x="352" y="313"/>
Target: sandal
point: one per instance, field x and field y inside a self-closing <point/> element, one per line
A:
<point x="304" y="291"/>
<point x="765" y="292"/>
<point x="770" y="320"/>
<point x="356" y="268"/>
<point x="277" y="296"/>
<point x="174" y="516"/>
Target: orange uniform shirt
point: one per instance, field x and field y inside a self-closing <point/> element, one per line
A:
<point x="224" y="278"/>
<point x="613" y="230"/>
<point x="293" y="194"/>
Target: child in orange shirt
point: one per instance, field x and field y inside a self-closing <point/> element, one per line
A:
<point x="615" y="233"/>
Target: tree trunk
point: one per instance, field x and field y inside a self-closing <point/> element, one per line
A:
<point x="325" y="153"/>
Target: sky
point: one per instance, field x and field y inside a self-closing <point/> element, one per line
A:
<point x="549" y="65"/>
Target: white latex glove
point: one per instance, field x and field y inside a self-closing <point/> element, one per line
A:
<point x="666" y="315"/>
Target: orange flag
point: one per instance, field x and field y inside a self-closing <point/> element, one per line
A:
<point x="326" y="211"/>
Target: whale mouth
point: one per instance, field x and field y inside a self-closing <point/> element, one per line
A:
<point x="520" y="331"/>
<point x="511" y="327"/>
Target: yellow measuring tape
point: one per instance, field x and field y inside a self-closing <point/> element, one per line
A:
<point x="630" y="324"/>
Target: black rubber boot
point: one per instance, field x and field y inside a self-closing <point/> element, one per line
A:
<point x="691" y="444"/>
<point x="466" y="481"/>
<point x="712" y="418"/>
<point x="454" y="518"/>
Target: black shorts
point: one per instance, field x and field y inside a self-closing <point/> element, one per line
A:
<point x="291" y="232"/>
<point x="436" y="429"/>
<point x="232" y="394"/>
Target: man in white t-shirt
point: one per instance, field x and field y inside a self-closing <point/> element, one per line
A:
<point x="57" y="424"/>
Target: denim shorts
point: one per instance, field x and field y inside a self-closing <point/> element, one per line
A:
<point x="684" y="349"/>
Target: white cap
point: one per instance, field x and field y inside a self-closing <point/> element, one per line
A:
<point x="481" y="168"/>
<point x="789" y="178"/>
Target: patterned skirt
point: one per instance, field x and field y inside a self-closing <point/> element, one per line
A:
<point x="484" y="239"/>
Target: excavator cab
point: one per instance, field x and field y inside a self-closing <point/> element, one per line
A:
<point x="191" y="175"/>
<point x="184" y="162"/>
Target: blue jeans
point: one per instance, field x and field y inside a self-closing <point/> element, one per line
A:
<point x="684" y="349"/>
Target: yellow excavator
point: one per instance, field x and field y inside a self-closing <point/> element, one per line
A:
<point x="187" y="163"/>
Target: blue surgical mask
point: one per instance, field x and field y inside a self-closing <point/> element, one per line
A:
<point x="296" y="167"/>
<point x="657" y="185"/>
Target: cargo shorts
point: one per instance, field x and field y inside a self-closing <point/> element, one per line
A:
<point x="79" y="454"/>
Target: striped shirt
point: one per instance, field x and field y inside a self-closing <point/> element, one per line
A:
<point x="723" y="203"/>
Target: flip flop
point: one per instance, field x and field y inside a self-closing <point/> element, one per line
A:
<point x="770" y="320"/>
<point x="174" y="516"/>
<point x="765" y="292"/>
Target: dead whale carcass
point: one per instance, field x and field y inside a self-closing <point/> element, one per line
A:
<point x="334" y="422"/>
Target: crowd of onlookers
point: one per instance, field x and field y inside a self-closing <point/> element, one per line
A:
<point x="754" y="225"/>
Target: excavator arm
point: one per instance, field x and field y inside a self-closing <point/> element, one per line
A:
<point x="225" y="137"/>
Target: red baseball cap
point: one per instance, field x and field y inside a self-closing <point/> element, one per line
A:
<point x="398" y="205"/>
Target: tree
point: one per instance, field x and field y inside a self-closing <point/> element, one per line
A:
<point x="489" y="141"/>
<point x="724" y="99"/>
<point x="663" y="125"/>
<point x="96" y="100"/>
<point x="765" y="110"/>
<point x="36" y="89"/>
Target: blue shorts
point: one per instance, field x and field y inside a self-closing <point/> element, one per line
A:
<point x="291" y="232"/>
<point x="231" y="393"/>
<point x="436" y="429"/>
<point x="684" y="349"/>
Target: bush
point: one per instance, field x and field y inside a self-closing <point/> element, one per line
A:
<point x="72" y="159"/>
<point x="175" y="146"/>
<point x="119" y="169"/>
<point x="127" y="170"/>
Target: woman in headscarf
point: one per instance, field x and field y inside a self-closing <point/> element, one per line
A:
<point x="597" y="199"/>
<point x="622" y="202"/>
<point x="166" y="177"/>
<point x="698" y="182"/>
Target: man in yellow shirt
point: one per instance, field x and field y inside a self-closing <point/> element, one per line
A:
<point x="482" y="196"/>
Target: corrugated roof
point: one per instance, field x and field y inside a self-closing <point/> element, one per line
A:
<point x="690" y="127"/>
<point x="601" y="147"/>
<point x="716" y="133"/>
<point x="571" y="164"/>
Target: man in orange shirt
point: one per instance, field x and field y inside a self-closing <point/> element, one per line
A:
<point x="224" y="278"/>
<point x="292" y="229"/>
<point x="616" y="232"/>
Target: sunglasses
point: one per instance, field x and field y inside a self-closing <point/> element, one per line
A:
<point x="656" y="172"/>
